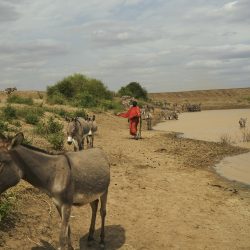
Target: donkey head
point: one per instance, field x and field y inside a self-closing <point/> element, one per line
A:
<point x="10" y="174"/>
<point x="72" y="130"/>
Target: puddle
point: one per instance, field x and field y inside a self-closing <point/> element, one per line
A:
<point x="214" y="125"/>
<point x="235" y="168"/>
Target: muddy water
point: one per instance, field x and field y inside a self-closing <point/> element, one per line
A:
<point x="216" y="125"/>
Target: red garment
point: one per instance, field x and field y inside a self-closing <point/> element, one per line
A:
<point x="133" y="114"/>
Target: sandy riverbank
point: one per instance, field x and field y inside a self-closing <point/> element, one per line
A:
<point x="163" y="195"/>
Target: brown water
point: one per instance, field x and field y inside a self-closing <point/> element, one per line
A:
<point x="214" y="125"/>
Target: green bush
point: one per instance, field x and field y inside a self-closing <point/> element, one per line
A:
<point x="41" y="129"/>
<point x="80" y="113"/>
<point x="85" y="100"/>
<point x="20" y="100"/>
<point x="49" y="127"/>
<point x="56" y="140"/>
<point x="56" y="98"/>
<point x="3" y="127"/>
<point x="31" y="115"/>
<point x="32" y="118"/>
<point x="53" y="131"/>
<point x="134" y="89"/>
<point x="9" y="112"/>
<point x="17" y="124"/>
<point x="54" y="126"/>
<point x="108" y="104"/>
<point x="78" y="90"/>
<point x="7" y="203"/>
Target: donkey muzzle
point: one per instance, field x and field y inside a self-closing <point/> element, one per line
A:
<point x="69" y="140"/>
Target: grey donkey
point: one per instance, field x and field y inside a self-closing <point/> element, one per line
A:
<point x="93" y="129"/>
<point x="78" y="129"/>
<point x="72" y="178"/>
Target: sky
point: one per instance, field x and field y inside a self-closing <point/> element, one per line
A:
<point x="165" y="45"/>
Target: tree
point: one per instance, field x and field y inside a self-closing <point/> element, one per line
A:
<point x="78" y="90"/>
<point x="134" y="89"/>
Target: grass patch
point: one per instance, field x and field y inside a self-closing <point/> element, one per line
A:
<point x="9" y="113"/>
<point x="7" y="203"/>
<point x="20" y="100"/>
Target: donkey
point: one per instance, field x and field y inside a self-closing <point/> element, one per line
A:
<point x="146" y="115"/>
<point x="243" y="122"/>
<point x="93" y="129"/>
<point x="72" y="178"/>
<point x="78" y="129"/>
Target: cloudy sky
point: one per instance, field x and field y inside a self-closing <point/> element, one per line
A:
<point x="166" y="45"/>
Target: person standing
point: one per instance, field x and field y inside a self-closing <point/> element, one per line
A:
<point x="134" y="116"/>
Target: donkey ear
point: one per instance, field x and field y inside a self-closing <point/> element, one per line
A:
<point x="17" y="140"/>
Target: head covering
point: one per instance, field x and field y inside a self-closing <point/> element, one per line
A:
<point x="134" y="103"/>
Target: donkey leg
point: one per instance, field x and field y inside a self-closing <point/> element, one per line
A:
<point x="103" y="199"/>
<point x="94" y="207"/>
<point x="90" y="141"/>
<point x="64" y="238"/>
<point x="69" y="231"/>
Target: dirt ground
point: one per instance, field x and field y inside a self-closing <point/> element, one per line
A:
<point x="163" y="195"/>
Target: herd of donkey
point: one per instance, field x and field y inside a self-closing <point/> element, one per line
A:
<point x="71" y="178"/>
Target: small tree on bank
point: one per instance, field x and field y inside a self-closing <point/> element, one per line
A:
<point x="134" y="89"/>
<point x="78" y="90"/>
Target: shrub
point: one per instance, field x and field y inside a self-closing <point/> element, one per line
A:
<point x="108" y="104"/>
<point x="3" y="127"/>
<point x="31" y="115"/>
<point x="134" y="89"/>
<point x="17" y="124"/>
<point x="80" y="113"/>
<point x="56" y="140"/>
<point x="53" y="131"/>
<point x="54" y="126"/>
<point x="7" y="202"/>
<point x="20" y="100"/>
<point x="9" y="112"/>
<point x="49" y="127"/>
<point x="41" y="129"/>
<point x="78" y="90"/>
<point x="85" y="100"/>
<point x="56" y="98"/>
<point x="32" y="118"/>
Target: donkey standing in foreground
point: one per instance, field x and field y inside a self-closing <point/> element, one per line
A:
<point x="72" y="178"/>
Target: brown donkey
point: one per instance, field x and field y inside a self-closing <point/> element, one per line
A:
<point x="72" y="178"/>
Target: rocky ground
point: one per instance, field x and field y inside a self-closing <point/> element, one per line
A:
<point x="164" y="194"/>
